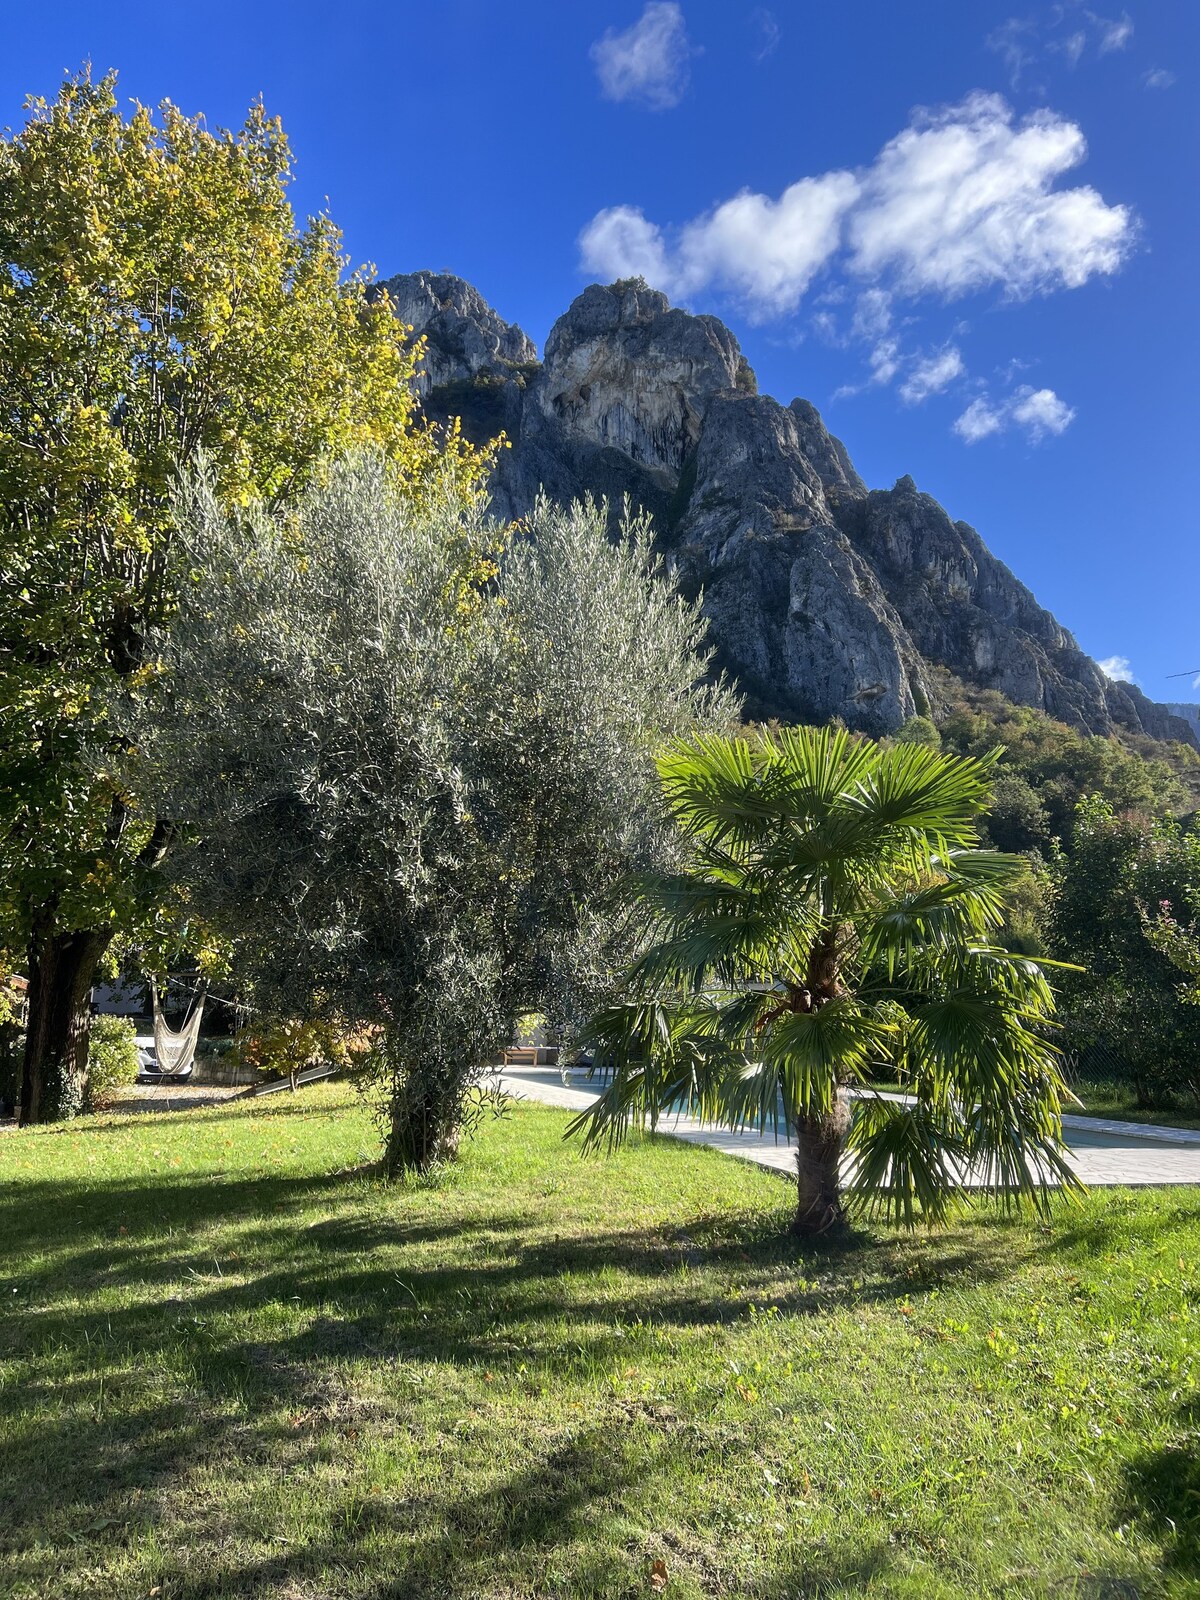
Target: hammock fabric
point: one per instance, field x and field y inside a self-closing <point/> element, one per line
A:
<point x="175" y="1051"/>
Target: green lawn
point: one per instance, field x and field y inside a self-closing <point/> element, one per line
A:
<point x="1117" y="1100"/>
<point x="234" y="1364"/>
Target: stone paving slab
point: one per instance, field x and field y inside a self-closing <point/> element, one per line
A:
<point x="1103" y="1153"/>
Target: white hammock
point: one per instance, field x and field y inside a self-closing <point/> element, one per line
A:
<point x="175" y="1051"/>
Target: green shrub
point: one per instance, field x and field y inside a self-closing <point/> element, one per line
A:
<point x="112" y="1060"/>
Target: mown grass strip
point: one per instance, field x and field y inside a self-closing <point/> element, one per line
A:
<point x="235" y="1364"/>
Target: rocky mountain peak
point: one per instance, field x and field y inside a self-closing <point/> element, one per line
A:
<point x="465" y="338"/>
<point x="824" y="598"/>
<point x="625" y="371"/>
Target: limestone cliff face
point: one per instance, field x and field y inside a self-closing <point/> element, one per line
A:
<point x="825" y="599"/>
<point x="466" y="339"/>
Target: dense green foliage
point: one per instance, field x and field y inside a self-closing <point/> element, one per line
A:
<point x="228" y="1373"/>
<point x="834" y="912"/>
<point x="1047" y="767"/>
<point x="112" y="1060"/>
<point x="413" y="814"/>
<point x="1103" y="823"/>
<point x="1124" y="886"/>
<point x="158" y="305"/>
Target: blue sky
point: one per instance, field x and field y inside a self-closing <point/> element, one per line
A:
<point x="967" y="233"/>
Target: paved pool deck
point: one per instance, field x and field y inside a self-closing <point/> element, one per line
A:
<point x="1105" y="1154"/>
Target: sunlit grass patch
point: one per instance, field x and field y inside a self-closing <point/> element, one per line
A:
<point x="234" y="1363"/>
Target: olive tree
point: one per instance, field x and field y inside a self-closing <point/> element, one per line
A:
<point x="415" y="762"/>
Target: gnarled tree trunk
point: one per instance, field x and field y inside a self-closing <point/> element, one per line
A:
<point x="424" y="1128"/>
<point x="820" y="1141"/>
<point x="62" y="971"/>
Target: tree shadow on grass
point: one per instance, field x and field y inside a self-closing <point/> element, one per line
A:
<point x="443" y="1541"/>
<point x="370" y="1268"/>
<point x="133" y="1391"/>
<point x="1117" y="1225"/>
<point x="1162" y="1489"/>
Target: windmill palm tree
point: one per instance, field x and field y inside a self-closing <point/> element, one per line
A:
<point x="835" y="914"/>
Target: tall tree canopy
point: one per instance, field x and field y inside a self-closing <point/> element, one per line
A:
<point x="415" y="799"/>
<point x="835" y="913"/>
<point x="158" y="305"/>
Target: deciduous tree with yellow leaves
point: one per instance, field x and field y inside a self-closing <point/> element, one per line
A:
<point x="159" y="305"/>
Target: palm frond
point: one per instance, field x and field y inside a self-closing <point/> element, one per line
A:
<point x="914" y="788"/>
<point x="813" y="1052"/>
<point x="1016" y="1150"/>
<point x="728" y="949"/>
<point x="906" y="1161"/>
<point x="715" y="788"/>
<point x="661" y="1058"/>
<point x="818" y="766"/>
<point x="934" y="917"/>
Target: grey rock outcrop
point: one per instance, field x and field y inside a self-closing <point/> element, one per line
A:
<point x="466" y="340"/>
<point x="1188" y="713"/>
<point x="825" y="598"/>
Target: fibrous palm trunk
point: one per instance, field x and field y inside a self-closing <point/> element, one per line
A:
<point x="820" y="1141"/>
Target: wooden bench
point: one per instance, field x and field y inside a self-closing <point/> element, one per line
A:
<point x="531" y="1055"/>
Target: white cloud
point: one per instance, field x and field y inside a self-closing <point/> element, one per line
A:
<point x="932" y="374"/>
<point x="1158" y="78"/>
<point x="1117" y="668"/>
<point x="1113" y="34"/>
<point x="767" y="251"/>
<point x="872" y="314"/>
<point x="649" y="61"/>
<point x="978" y="421"/>
<point x="885" y="360"/>
<point x="766" y="25"/>
<point x="1040" y="411"/>
<point x="621" y="243"/>
<point x="1014" y="41"/>
<point x="1037" y="412"/>
<point x="1072" y="47"/>
<point x="1021" y="42"/>
<point x="963" y="199"/>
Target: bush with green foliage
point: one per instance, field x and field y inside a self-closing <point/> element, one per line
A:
<point x="159" y="304"/>
<point x="1058" y="765"/>
<point x="1093" y="874"/>
<point x="112" y="1060"/>
<point x="1122" y="886"/>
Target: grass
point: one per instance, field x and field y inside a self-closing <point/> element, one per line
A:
<point x="1114" y="1099"/>
<point x="235" y="1364"/>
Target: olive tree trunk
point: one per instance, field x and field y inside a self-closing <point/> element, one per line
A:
<point x="62" y="972"/>
<point x="820" y="1141"/>
<point x="424" y="1127"/>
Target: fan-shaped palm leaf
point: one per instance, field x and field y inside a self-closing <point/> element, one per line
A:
<point x="836" y="913"/>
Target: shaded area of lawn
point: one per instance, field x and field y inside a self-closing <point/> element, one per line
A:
<point x="234" y="1364"/>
